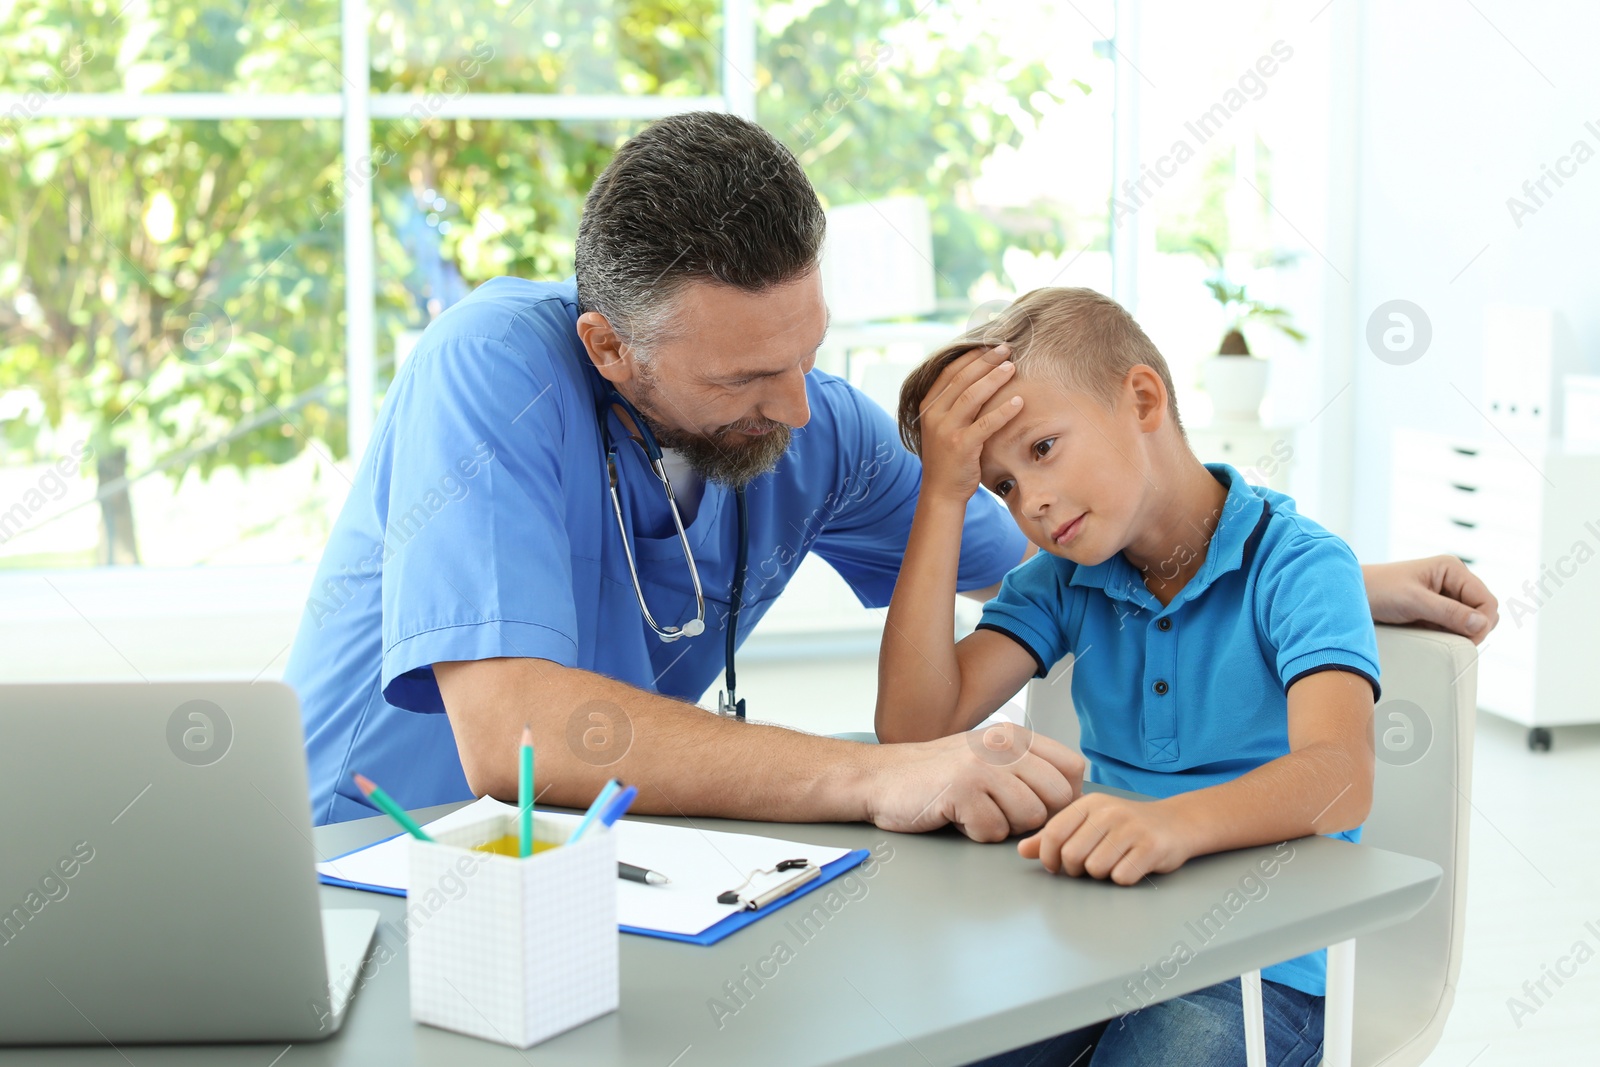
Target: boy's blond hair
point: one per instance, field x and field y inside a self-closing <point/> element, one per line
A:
<point x="1077" y="338"/>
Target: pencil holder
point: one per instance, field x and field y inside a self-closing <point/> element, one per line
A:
<point x="507" y="949"/>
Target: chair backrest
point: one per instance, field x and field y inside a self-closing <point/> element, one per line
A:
<point x="1421" y="806"/>
<point x="1049" y="704"/>
<point x="1405" y="975"/>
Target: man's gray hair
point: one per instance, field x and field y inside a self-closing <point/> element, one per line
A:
<point x="699" y="196"/>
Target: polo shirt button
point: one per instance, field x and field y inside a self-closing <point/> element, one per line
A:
<point x="1165" y="624"/>
<point x="1161" y="689"/>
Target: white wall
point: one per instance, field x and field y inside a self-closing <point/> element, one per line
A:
<point x="1458" y="105"/>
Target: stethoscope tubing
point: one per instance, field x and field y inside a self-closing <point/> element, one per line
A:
<point x="728" y="702"/>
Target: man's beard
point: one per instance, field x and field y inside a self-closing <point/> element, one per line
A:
<point x="726" y="455"/>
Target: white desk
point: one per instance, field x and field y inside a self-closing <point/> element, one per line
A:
<point x="952" y="951"/>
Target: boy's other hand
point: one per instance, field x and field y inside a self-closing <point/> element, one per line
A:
<point x="1008" y="782"/>
<point x="1439" y="592"/>
<point x="953" y="432"/>
<point x="1103" y="836"/>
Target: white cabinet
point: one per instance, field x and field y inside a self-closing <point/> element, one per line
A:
<point x="1262" y="454"/>
<point x="1526" y="518"/>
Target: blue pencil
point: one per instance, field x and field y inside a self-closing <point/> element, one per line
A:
<point x="609" y="791"/>
<point x="619" y="805"/>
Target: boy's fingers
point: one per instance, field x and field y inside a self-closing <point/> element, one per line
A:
<point x="986" y="425"/>
<point x="1102" y="860"/>
<point x="1056" y="833"/>
<point x="1091" y="835"/>
<point x="1129" y="870"/>
<point x="962" y="372"/>
<point x="945" y="386"/>
<point x="972" y="399"/>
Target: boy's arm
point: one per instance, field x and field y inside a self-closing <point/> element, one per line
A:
<point x="1324" y="785"/>
<point x="927" y="685"/>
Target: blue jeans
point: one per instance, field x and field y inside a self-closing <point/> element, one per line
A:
<point x="1203" y="1029"/>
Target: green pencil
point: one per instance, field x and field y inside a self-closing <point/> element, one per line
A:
<point x="386" y="804"/>
<point x="525" y="792"/>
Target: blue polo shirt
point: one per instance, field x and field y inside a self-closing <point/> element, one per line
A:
<point x="1176" y="698"/>
<point x="480" y="524"/>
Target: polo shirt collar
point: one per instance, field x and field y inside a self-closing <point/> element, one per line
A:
<point x="1239" y="528"/>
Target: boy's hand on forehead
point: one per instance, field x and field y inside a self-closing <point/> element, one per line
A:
<point x="953" y="426"/>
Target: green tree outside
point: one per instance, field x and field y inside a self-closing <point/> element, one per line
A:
<point x="176" y="285"/>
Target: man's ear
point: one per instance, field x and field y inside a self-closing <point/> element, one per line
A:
<point x="1149" y="395"/>
<point x="610" y="355"/>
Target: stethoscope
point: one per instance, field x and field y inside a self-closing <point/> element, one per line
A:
<point x="609" y="398"/>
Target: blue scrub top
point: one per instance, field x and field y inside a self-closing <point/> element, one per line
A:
<point x="1190" y="695"/>
<point x="480" y="525"/>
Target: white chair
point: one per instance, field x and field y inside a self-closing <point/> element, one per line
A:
<point x="1391" y="1010"/>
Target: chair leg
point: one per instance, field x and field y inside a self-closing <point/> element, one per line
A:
<point x="1255" y="1030"/>
<point x="1338" y="1010"/>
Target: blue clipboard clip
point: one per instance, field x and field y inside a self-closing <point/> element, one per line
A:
<point x="806" y="871"/>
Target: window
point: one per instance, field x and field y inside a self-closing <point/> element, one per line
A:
<point x="999" y="116"/>
<point x="589" y="48"/>
<point x="171" y="313"/>
<point x="197" y="320"/>
<point x="58" y="50"/>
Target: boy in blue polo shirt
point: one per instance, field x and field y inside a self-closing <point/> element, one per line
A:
<point x="1225" y="658"/>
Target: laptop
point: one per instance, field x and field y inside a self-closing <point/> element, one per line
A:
<point x="157" y="879"/>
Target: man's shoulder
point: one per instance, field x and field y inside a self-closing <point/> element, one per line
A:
<point x="508" y="318"/>
<point x="836" y="399"/>
<point x="844" y="422"/>
<point x="500" y="307"/>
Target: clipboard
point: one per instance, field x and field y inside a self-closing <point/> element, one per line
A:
<point x="713" y="860"/>
<point x="740" y="919"/>
<point x="798" y="872"/>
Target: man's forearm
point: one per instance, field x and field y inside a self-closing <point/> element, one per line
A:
<point x="589" y="728"/>
<point x="919" y="678"/>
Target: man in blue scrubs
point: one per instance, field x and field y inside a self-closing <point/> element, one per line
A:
<point x="477" y="578"/>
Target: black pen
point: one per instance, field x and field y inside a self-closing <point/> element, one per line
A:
<point x="640" y="874"/>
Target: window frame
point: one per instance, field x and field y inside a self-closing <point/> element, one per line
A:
<point x="356" y="107"/>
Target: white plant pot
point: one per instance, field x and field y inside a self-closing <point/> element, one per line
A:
<point x="1235" y="384"/>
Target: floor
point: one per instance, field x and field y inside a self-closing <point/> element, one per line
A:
<point x="1533" y="883"/>
<point x="786" y="692"/>
<point x="1533" y="878"/>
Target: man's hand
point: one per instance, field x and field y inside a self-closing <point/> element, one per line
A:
<point x="989" y="784"/>
<point x="1438" y="592"/>
<point x="952" y="431"/>
<point x="1109" y="837"/>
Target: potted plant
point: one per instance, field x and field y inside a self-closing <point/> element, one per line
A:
<point x="1233" y="378"/>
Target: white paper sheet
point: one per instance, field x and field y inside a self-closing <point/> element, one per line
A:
<point x="701" y="864"/>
